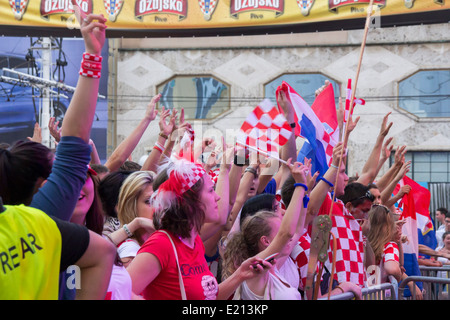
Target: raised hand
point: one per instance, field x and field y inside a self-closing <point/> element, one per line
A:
<point x="384" y="130"/>
<point x="151" y="111"/>
<point x="92" y="27"/>
<point x="53" y="128"/>
<point x="37" y="133"/>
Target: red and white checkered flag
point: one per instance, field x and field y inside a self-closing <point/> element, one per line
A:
<point x="265" y="129"/>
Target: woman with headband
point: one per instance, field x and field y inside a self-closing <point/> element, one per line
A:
<point x="171" y="264"/>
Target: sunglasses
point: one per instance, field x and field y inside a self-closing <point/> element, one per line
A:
<point x="368" y="196"/>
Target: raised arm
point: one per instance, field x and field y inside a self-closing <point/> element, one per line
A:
<point x="370" y="168"/>
<point x="80" y="114"/>
<point x="289" y="222"/>
<point x="320" y="191"/>
<point x="126" y="147"/>
<point x="59" y="195"/>
<point x="165" y="129"/>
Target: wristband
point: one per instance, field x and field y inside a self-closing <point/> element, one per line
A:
<point x="305" y="201"/>
<point x="301" y="185"/>
<point x="333" y="166"/>
<point x="326" y="181"/>
<point x="91" y="65"/>
<point x="162" y="134"/>
<point x="158" y="148"/>
<point x="128" y="232"/>
<point x="239" y="161"/>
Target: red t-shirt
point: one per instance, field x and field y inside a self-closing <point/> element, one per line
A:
<point x="199" y="282"/>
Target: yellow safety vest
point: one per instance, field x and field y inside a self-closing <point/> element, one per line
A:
<point x="30" y="254"/>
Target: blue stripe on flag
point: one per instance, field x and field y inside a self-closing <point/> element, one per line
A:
<point x="312" y="148"/>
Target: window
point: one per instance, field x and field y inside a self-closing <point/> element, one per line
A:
<point x="426" y="94"/>
<point x="202" y="97"/>
<point x="428" y="166"/>
<point x="305" y="84"/>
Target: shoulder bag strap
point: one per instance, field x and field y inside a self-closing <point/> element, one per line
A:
<point x="183" y="292"/>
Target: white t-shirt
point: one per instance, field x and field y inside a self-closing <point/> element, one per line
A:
<point x="120" y="284"/>
<point x="128" y="248"/>
<point x="277" y="288"/>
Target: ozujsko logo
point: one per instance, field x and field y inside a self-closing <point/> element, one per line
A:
<point x="49" y="7"/>
<point x="176" y="7"/>
<point x="240" y="6"/>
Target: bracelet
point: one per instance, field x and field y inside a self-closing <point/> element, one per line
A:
<point x="337" y="287"/>
<point x="301" y="185"/>
<point x="239" y="161"/>
<point x="128" y="232"/>
<point x="334" y="166"/>
<point x="162" y="134"/>
<point x="110" y="239"/>
<point x="91" y="66"/>
<point x="305" y="201"/>
<point x="158" y="148"/>
<point x="326" y="181"/>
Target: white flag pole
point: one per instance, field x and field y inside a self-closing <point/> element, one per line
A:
<point x="262" y="152"/>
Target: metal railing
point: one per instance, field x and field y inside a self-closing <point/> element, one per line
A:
<point x="431" y="287"/>
<point x="385" y="291"/>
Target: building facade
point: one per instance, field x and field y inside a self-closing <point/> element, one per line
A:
<point x="404" y="71"/>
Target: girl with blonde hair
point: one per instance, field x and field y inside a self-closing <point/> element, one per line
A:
<point x="135" y="213"/>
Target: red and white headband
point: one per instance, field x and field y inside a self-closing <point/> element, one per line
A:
<point x="182" y="174"/>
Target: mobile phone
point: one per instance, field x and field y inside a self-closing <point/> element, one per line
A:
<point x="271" y="257"/>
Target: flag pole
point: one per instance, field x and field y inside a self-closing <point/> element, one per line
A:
<point x="262" y="152"/>
<point x="320" y="238"/>
<point x="358" y="69"/>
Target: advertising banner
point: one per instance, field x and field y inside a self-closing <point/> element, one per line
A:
<point x="131" y="18"/>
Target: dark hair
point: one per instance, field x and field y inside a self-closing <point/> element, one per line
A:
<point x="443" y="210"/>
<point x="372" y="186"/>
<point x="256" y="203"/>
<point x="287" y="190"/>
<point x="108" y="190"/>
<point x="99" y="168"/>
<point x="159" y="179"/>
<point x="356" y="193"/>
<point x="186" y="213"/>
<point x="446" y="233"/>
<point x="21" y="165"/>
<point x="352" y="179"/>
<point x="130" y="166"/>
<point x="94" y="216"/>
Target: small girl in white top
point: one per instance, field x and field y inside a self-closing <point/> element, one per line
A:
<point x="266" y="233"/>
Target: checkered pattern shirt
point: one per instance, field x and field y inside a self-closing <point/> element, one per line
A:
<point x="391" y="252"/>
<point x="350" y="246"/>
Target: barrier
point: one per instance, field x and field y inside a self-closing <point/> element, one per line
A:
<point x="436" y="291"/>
<point x="385" y="291"/>
<point x="429" y="291"/>
<point x="435" y="280"/>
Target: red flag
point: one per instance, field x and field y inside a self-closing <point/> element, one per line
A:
<point x="347" y="101"/>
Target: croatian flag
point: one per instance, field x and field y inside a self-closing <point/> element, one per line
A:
<point x="318" y="144"/>
<point x="411" y="247"/>
<point x="418" y="227"/>
<point x="324" y="106"/>
<point x="265" y="129"/>
<point x="422" y="197"/>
